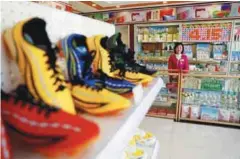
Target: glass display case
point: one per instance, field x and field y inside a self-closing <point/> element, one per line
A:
<point x="166" y="102"/>
<point x="210" y="99"/>
<point x="235" y="56"/>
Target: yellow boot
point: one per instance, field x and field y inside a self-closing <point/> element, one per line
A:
<point x="34" y="49"/>
<point x="105" y="61"/>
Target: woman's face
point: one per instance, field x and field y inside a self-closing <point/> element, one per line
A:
<point x="179" y="49"/>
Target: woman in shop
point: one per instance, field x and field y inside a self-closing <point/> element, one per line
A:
<point x="177" y="62"/>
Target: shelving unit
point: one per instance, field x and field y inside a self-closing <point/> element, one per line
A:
<point x="160" y="57"/>
<point x="115" y="132"/>
<point x="211" y="122"/>
<point x="158" y="60"/>
<point x="218" y="103"/>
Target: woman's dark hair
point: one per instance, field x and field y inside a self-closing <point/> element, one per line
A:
<point x="176" y="45"/>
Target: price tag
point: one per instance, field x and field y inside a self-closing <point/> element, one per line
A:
<point x="137" y="93"/>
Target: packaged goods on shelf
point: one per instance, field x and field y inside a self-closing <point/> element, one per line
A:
<point x="157" y="34"/>
<point x="234" y="116"/>
<point x="209" y="113"/>
<point x="214" y="100"/>
<point x="224" y="114"/>
<point x="192" y="82"/>
<point x="203" y="51"/>
<point x="185" y="111"/>
<point x="213" y="32"/>
<point x="235" y="55"/>
<point x="195" y="112"/>
<point x="219" y="52"/>
<point x="188" y="51"/>
<point x="212" y="84"/>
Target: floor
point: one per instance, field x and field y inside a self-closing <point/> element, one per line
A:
<point x="193" y="141"/>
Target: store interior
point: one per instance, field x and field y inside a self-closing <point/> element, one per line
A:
<point x="120" y="80"/>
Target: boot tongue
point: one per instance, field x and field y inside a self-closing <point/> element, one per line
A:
<point x="112" y="41"/>
<point x="82" y="50"/>
<point x="80" y="46"/>
<point x="115" y="44"/>
<point x="86" y="57"/>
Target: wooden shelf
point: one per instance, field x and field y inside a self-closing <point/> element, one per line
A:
<point x="204" y="61"/>
<point x="160" y="116"/>
<point x="181" y="21"/>
<point x="208" y="73"/>
<point x="157" y="59"/>
<point x="184" y="42"/>
<point x="146" y="42"/>
<point x="169" y="94"/>
<point x="211" y="122"/>
<point x="235" y="62"/>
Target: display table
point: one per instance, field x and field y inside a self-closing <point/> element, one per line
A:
<point x="115" y="133"/>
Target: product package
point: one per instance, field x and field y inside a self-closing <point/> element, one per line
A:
<point x="185" y="111"/>
<point x="153" y="111"/>
<point x="224" y="114"/>
<point x="138" y="16"/>
<point x="195" y="112"/>
<point x="168" y="14"/>
<point x="188" y="51"/>
<point x="219" y="52"/>
<point x="234" y="116"/>
<point x="185" y="13"/>
<point x="203" y="51"/>
<point x="162" y="111"/>
<point x="209" y="113"/>
<point x="202" y="12"/>
<point x="235" y="56"/>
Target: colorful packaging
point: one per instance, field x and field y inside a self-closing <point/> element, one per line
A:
<point x="185" y="111"/>
<point x="234" y="116"/>
<point x="202" y="12"/>
<point x="209" y="113"/>
<point x="167" y="12"/>
<point x="162" y="111"/>
<point x="224" y="115"/>
<point x="188" y="51"/>
<point x="219" y="52"/>
<point x="138" y="16"/>
<point x="203" y="51"/>
<point x="153" y="111"/>
<point x="235" y="10"/>
<point x="171" y="112"/>
<point x="194" y="112"/>
<point x="185" y="13"/>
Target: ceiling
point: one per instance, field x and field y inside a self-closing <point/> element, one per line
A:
<point x="96" y="6"/>
<point x="114" y="3"/>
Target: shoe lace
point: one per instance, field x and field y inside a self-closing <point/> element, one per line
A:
<point x="22" y="95"/>
<point x="88" y="74"/>
<point x="129" y="57"/>
<point x="118" y="59"/>
<point x="52" y="59"/>
<point x="102" y="76"/>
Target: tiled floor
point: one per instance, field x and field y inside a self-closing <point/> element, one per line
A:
<point x="193" y="141"/>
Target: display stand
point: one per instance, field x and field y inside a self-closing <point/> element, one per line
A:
<point x="115" y="131"/>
